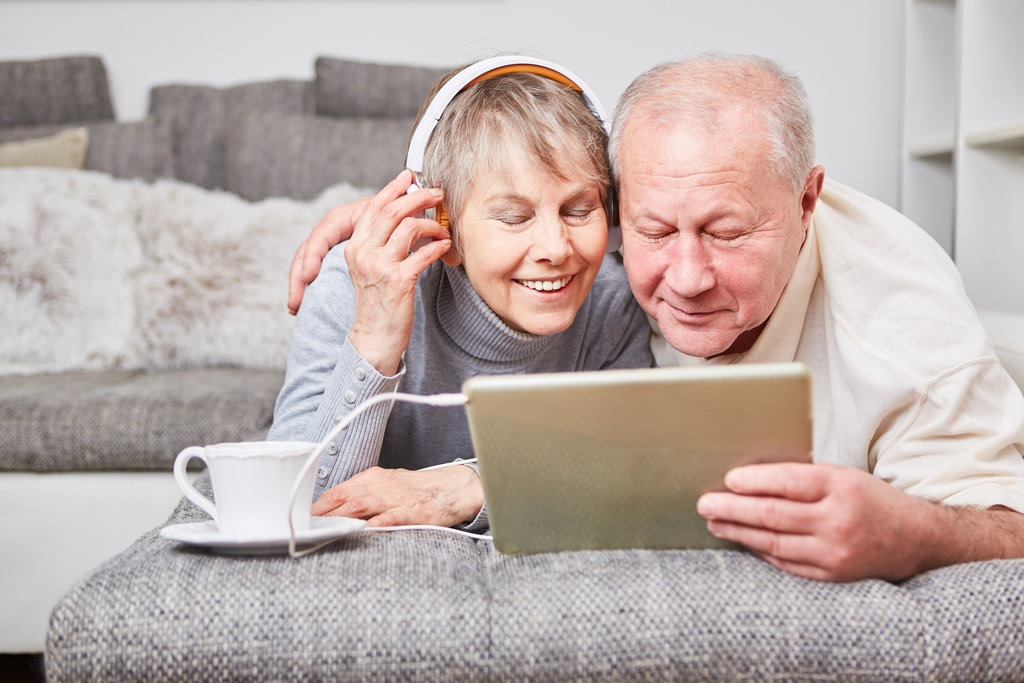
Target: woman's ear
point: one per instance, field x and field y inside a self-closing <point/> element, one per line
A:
<point x="451" y="257"/>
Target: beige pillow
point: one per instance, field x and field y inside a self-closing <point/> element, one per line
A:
<point x="66" y="149"/>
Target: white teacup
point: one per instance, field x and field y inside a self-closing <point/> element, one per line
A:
<point x="253" y="484"/>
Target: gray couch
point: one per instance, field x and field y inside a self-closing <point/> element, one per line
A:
<point x="424" y="605"/>
<point x="119" y="344"/>
<point x="406" y="605"/>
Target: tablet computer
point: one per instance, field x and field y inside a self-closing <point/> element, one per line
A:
<point x="617" y="458"/>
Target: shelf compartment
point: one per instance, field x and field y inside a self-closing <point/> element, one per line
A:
<point x="1010" y="137"/>
<point x="989" y="243"/>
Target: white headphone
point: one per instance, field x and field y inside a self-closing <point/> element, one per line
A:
<point x="489" y="68"/>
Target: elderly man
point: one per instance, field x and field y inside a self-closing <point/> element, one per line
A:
<point x="741" y="252"/>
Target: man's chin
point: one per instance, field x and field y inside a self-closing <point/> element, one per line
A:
<point x="699" y="344"/>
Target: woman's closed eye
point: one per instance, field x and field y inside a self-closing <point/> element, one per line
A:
<point x="580" y="214"/>
<point x="513" y="218"/>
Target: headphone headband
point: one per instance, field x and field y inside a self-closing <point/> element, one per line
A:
<point x="489" y="68"/>
<point x="480" y="71"/>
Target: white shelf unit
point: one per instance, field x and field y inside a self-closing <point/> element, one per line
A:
<point x="963" y="150"/>
<point x="929" y="118"/>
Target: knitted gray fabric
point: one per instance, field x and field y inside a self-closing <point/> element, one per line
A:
<point x="128" y="420"/>
<point x="61" y="90"/>
<point x="417" y="605"/>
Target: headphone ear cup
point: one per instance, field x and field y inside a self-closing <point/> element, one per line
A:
<point x="441" y="216"/>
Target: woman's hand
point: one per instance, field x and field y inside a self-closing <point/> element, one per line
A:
<point x="444" y="496"/>
<point x="384" y="268"/>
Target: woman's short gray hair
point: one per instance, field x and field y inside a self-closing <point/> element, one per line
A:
<point x="698" y="88"/>
<point x="549" y="121"/>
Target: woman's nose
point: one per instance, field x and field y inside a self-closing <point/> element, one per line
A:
<point x="551" y="241"/>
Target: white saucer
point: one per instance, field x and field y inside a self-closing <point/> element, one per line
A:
<point x="207" y="535"/>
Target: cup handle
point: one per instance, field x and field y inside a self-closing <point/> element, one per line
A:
<point x="180" y="476"/>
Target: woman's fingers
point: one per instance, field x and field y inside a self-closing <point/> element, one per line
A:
<point x="391" y="206"/>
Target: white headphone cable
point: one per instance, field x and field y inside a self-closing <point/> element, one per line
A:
<point x="455" y="399"/>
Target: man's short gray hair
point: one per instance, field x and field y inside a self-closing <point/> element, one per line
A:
<point x="697" y="89"/>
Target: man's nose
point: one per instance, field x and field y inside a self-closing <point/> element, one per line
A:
<point x="690" y="270"/>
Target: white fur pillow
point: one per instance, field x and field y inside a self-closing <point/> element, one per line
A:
<point x="68" y="256"/>
<point x="120" y="273"/>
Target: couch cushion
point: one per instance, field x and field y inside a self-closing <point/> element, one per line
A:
<point x="99" y="273"/>
<point x="280" y="154"/>
<point x="202" y="115"/>
<point x="350" y="88"/>
<point x="129" y="420"/>
<point x="424" y="605"/>
<point x="214" y="279"/>
<point x="60" y="90"/>
<point x="64" y="149"/>
<point x="138" y="149"/>
<point x="69" y="254"/>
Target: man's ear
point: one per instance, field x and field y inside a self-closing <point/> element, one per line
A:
<point x="809" y="197"/>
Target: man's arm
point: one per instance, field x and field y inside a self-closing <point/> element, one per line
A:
<point x="838" y="523"/>
<point x="334" y="228"/>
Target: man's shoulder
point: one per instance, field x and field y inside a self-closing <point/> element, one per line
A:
<point x="892" y="288"/>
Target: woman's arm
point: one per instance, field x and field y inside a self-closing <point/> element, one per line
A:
<point x="348" y="340"/>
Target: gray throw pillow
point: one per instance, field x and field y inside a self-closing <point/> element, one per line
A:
<point x="281" y="154"/>
<point x="60" y="90"/>
<point x="138" y="149"/>
<point x="202" y="116"/>
<point x="349" y="88"/>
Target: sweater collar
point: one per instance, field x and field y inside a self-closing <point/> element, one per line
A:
<point x="471" y="324"/>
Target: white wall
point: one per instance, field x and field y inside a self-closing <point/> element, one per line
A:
<point x="847" y="52"/>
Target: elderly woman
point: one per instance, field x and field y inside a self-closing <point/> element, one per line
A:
<point x="520" y="285"/>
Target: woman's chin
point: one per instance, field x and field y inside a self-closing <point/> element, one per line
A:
<point x="541" y="325"/>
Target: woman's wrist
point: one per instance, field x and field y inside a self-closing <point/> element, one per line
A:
<point x="469" y="494"/>
<point x="382" y="356"/>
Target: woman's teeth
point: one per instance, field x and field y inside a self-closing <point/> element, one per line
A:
<point x="546" y="285"/>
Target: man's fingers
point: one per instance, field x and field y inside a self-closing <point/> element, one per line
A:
<point x="802" y="555"/>
<point x="788" y="546"/>
<point x="793" y="481"/>
<point x="758" y="512"/>
<point x="803" y="569"/>
<point x="296" y="285"/>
